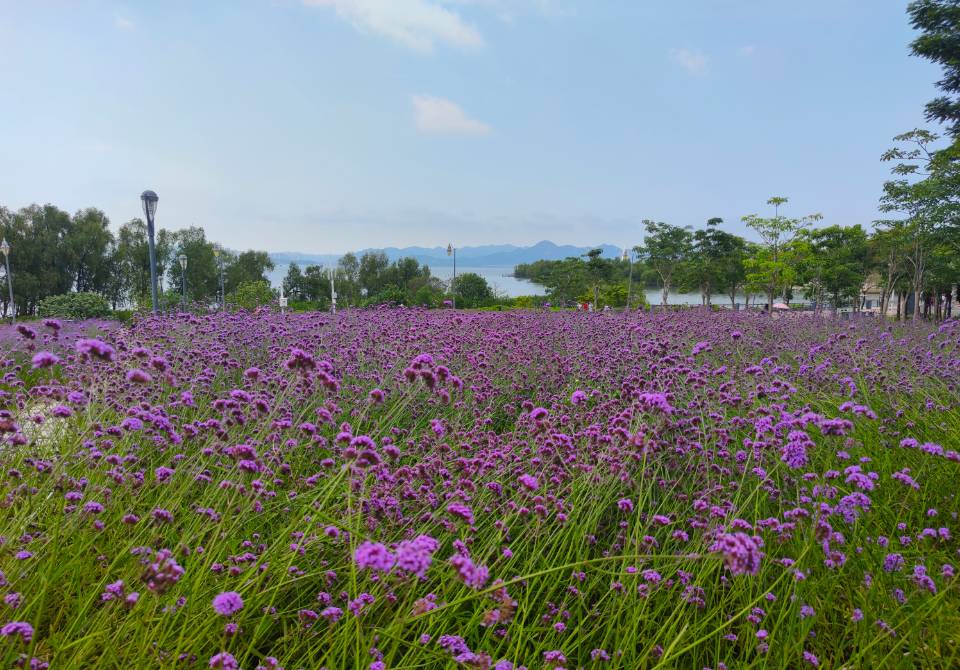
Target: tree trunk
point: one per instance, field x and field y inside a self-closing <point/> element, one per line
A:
<point x="918" y="267"/>
<point x="886" y="292"/>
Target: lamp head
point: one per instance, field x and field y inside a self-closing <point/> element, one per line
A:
<point x="149" y="199"/>
<point x="183" y="261"/>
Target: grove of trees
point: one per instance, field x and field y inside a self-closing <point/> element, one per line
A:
<point x="370" y="279"/>
<point x="53" y="252"/>
<point x="914" y="258"/>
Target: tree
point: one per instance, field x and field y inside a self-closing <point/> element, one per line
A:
<point x="293" y="285"/>
<point x="615" y="295"/>
<point x="732" y="274"/>
<point x="249" y="266"/>
<point x="939" y="24"/>
<point x="203" y="273"/>
<point x="565" y="280"/>
<point x="665" y="248"/>
<point x="54" y="254"/>
<point x="36" y="235"/>
<point x="886" y="248"/>
<point x="835" y="264"/>
<point x="942" y="273"/>
<point x="770" y="267"/>
<point x="316" y="284"/>
<point x="252" y="294"/>
<point x="716" y="261"/>
<point x="370" y="273"/>
<point x="88" y="246"/>
<point x="472" y="290"/>
<point x="132" y="260"/>
<point x="598" y="269"/>
<point x="348" y="278"/>
<point x="925" y="191"/>
<point x="425" y="297"/>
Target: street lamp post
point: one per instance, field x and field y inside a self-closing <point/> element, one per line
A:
<point x="149" y="199"/>
<point x="452" y="251"/>
<point x="223" y="296"/>
<point x="5" y="250"/>
<point x="183" y="281"/>
<point x="333" y="294"/>
<point x="628" y="257"/>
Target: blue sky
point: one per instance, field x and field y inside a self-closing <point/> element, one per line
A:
<point x="330" y="125"/>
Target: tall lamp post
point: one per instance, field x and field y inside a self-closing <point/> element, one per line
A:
<point x="333" y="294"/>
<point x="629" y="258"/>
<point x="223" y="296"/>
<point x="452" y="251"/>
<point x="149" y="199"/>
<point x="5" y="250"/>
<point x="183" y="280"/>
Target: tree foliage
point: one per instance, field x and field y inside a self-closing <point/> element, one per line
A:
<point x="665" y="248"/>
<point x="925" y="193"/>
<point x="369" y="279"/>
<point x="74" y="306"/>
<point x="472" y="290"/>
<point x="939" y="41"/>
<point x="54" y="253"/>
<point x="252" y="294"/>
<point x="772" y="267"/>
<point x="834" y="264"/>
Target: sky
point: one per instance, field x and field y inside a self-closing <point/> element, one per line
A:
<point x="330" y="125"/>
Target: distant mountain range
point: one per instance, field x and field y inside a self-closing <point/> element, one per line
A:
<point x="487" y="255"/>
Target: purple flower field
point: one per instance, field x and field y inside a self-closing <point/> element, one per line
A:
<point x="392" y="489"/>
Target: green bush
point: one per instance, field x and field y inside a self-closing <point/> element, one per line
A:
<point x="472" y="290"/>
<point x="320" y="305"/>
<point x="74" y="306"/>
<point x="527" y="301"/>
<point x="390" y="294"/>
<point x="252" y="294"/>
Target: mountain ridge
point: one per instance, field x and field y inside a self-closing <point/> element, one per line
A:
<point x="485" y="255"/>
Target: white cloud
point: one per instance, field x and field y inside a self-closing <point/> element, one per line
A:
<point x="747" y="51"/>
<point x="417" y="24"/>
<point x="123" y="23"/>
<point x="441" y="116"/>
<point x="508" y="10"/>
<point x="691" y="60"/>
